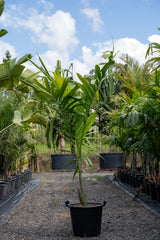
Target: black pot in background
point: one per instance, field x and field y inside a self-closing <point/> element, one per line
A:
<point x="157" y="186"/>
<point x="146" y="186"/>
<point x="125" y="173"/>
<point x="86" y="220"/>
<point x="153" y="192"/>
<point x="111" y="160"/>
<point x="138" y="179"/>
<point x="133" y="180"/>
<point x="128" y="178"/>
<point x="12" y="181"/>
<point x="63" y="161"/>
<point x="18" y="182"/>
<point x="123" y="176"/>
<point x="3" y="189"/>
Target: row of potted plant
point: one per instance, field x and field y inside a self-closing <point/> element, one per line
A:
<point x="137" y="180"/>
<point x="14" y="183"/>
<point x="107" y="161"/>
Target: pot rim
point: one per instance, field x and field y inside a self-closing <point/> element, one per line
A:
<point x="79" y="205"/>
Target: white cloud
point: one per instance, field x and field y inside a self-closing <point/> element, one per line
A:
<point x="85" y="2"/>
<point x="89" y="57"/>
<point x="154" y="38"/>
<point x="4" y="47"/>
<point x="132" y="47"/>
<point x="94" y="17"/>
<point x="80" y="67"/>
<point x="57" y="31"/>
<point x="48" y="6"/>
<point x="50" y="59"/>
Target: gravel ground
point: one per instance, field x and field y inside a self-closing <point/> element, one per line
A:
<point x="42" y="214"/>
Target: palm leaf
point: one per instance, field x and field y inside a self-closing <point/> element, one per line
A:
<point x="3" y="32"/>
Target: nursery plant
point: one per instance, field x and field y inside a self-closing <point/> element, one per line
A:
<point x="16" y="141"/>
<point x="73" y="104"/>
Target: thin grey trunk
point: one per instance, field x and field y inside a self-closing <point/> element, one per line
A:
<point x="62" y="144"/>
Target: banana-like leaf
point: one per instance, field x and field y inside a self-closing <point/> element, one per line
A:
<point x="12" y="63"/>
<point x="35" y="118"/>
<point x="28" y="74"/>
<point x="4" y="70"/>
<point x="27" y="113"/>
<point x="6" y="84"/>
<point x="24" y="59"/>
<point x="5" y="81"/>
<point x="17" y="118"/>
<point x="17" y="71"/>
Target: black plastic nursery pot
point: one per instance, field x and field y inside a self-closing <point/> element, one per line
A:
<point x="138" y="179"/>
<point x="157" y="186"/>
<point x="153" y="192"/>
<point x="11" y="181"/>
<point x="146" y="186"/>
<point x="3" y="189"/>
<point x="86" y="220"/>
<point x="123" y="176"/>
<point x="18" y="182"/>
<point x="63" y="161"/>
<point x="111" y="160"/>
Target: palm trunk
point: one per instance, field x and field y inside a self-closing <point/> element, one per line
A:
<point x="134" y="160"/>
<point x="82" y="195"/>
<point x="62" y="144"/>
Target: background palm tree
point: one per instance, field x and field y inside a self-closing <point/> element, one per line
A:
<point x="134" y="77"/>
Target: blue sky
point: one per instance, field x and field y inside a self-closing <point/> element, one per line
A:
<point x="79" y="31"/>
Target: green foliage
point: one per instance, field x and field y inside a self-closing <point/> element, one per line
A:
<point x="2" y="2"/>
<point x="7" y="57"/>
<point x="69" y="108"/>
<point x="134" y="78"/>
<point x="15" y="141"/>
<point x="2" y="31"/>
<point x="154" y="51"/>
<point x="11" y="71"/>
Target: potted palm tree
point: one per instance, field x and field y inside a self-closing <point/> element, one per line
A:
<point x="74" y="104"/>
<point x="54" y="92"/>
<point x="63" y="85"/>
<point x="86" y="217"/>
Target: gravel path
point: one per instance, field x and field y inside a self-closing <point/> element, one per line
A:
<point x="42" y="214"/>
